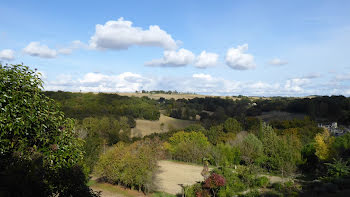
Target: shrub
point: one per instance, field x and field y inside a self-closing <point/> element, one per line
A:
<point x="338" y="169"/>
<point x="133" y="166"/>
<point x="272" y="193"/>
<point x="188" y="146"/>
<point x="251" y="149"/>
<point x="233" y="184"/>
<point x="225" y="155"/>
<point x="262" y="181"/>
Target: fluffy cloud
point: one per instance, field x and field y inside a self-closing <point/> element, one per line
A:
<point x="76" y="44"/>
<point x="178" y="58"/>
<point x="296" y="84"/>
<point x="238" y="60"/>
<point x="121" y="34"/>
<point x="39" y="50"/>
<point x="7" y="54"/>
<point x="278" y="62"/>
<point x="97" y="82"/>
<point x="205" y="60"/>
<point x="43" y="51"/>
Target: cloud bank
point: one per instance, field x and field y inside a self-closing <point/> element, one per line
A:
<point x="201" y="83"/>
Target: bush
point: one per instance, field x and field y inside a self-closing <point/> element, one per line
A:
<point x="234" y="183"/>
<point x="288" y="188"/>
<point x="338" y="169"/>
<point x="225" y="155"/>
<point x="252" y="193"/>
<point x="133" y="166"/>
<point x="192" y="190"/>
<point x="188" y="146"/>
<point x="262" y="182"/>
<point x="251" y="149"/>
<point x="272" y="194"/>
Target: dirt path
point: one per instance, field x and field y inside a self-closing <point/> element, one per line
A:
<point x="171" y="174"/>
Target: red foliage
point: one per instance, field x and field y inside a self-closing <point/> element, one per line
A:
<point x="214" y="181"/>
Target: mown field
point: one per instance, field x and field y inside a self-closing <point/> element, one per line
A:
<point x="164" y="124"/>
<point x="180" y="96"/>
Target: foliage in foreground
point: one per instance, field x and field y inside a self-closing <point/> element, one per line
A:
<point x="40" y="153"/>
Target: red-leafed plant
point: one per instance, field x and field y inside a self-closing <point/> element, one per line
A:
<point x="214" y="182"/>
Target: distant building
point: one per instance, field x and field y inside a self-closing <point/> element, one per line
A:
<point x="333" y="128"/>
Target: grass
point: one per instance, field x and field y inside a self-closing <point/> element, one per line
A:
<point x="110" y="188"/>
<point x="162" y="194"/>
<point x="106" y="187"/>
<point x="147" y="127"/>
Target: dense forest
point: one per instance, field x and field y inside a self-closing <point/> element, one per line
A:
<point x="82" y="105"/>
<point x="53" y="141"/>
<point x="321" y="108"/>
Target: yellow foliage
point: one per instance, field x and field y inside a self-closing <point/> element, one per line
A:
<point x="324" y="142"/>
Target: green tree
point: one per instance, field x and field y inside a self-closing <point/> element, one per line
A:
<point x="282" y="154"/>
<point x="232" y="125"/>
<point x="38" y="145"/>
<point x="133" y="165"/>
<point x="251" y="149"/>
<point x="188" y="146"/>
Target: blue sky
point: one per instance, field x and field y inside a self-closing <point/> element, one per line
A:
<point x="264" y="48"/>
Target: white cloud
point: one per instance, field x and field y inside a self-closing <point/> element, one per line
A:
<point x="202" y="76"/>
<point x="39" y="50"/>
<point x="198" y="82"/>
<point x="7" y="54"/>
<point x="296" y="84"/>
<point x="43" y="51"/>
<point x="342" y="77"/>
<point x="121" y="34"/>
<point x="238" y="60"/>
<point x="178" y="58"/>
<point x="76" y="44"/>
<point x="278" y="62"/>
<point x="98" y="82"/>
<point x="205" y="60"/>
<point x="65" y="51"/>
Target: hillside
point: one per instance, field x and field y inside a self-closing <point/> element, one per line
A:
<point x="147" y="127"/>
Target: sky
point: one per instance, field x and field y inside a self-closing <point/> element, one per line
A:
<point x="253" y="48"/>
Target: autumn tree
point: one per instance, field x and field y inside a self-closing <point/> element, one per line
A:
<point x="323" y="145"/>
